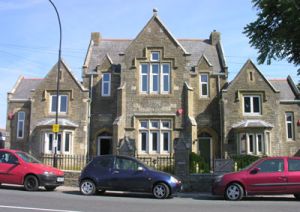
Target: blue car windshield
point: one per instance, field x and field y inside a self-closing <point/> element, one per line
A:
<point x="27" y="158"/>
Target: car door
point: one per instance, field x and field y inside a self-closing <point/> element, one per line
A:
<point x="266" y="177"/>
<point x="127" y="175"/>
<point x="10" y="169"/>
<point x="101" y="170"/>
<point x="293" y="175"/>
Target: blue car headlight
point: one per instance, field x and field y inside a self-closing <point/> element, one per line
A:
<point x="174" y="180"/>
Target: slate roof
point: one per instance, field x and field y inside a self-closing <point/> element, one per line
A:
<point x="252" y="124"/>
<point x="110" y="47"/>
<point x="61" y="121"/>
<point x="23" y="89"/>
<point x="195" y="47"/>
<point x="286" y="91"/>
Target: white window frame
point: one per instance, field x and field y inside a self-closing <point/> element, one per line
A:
<point x="141" y="78"/>
<point x="62" y="147"/>
<point x="163" y="75"/>
<point x="291" y="123"/>
<point x="104" y="83"/>
<point x="59" y="104"/>
<point x="23" y="124"/>
<point x="252" y="113"/>
<point x="205" y="84"/>
<point x="150" y="76"/>
<point x="255" y="144"/>
<point x="149" y="131"/>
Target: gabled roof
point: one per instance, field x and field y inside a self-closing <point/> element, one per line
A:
<point x="23" y="87"/>
<point x="156" y="18"/>
<point x="248" y="63"/>
<point x="288" y="89"/>
<point x="193" y="48"/>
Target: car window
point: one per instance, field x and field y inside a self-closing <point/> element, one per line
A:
<point x="103" y="162"/>
<point x="294" y="165"/>
<point x="126" y="164"/>
<point x="27" y="158"/>
<point x="6" y="157"/>
<point x="274" y="165"/>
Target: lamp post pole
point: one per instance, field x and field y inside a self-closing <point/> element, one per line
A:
<point x="57" y="87"/>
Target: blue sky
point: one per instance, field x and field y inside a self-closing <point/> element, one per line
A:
<point x="30" y="35"/>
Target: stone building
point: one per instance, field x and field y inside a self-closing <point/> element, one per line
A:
<point x="32" y="109"/>
<point x="261" y="117"/>
<point x="154" y="91"/>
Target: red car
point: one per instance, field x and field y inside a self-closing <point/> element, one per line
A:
<point x="17" y="167"/>
<point x="270" y="175"/>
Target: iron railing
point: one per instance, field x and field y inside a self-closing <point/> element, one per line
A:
<point x="78" y="162"/>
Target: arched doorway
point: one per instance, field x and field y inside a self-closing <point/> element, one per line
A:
<point x="104" y="144"/>
<point x="205" y="148"/>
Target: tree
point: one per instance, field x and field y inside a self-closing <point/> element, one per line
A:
<point x="276" y="32"/>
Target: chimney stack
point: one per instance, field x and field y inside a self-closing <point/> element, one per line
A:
<point x="96" y="37"/>
<point x="215" y="37"/>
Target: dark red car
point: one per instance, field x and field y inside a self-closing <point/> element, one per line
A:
<point x="17" y="167"/>
<point x="270" y="175"/>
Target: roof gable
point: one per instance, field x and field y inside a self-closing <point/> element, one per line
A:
<point x="250" y="65"/>
<point x="156" y="20"/>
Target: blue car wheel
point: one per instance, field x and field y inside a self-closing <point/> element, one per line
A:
<point x="161" y="191"/>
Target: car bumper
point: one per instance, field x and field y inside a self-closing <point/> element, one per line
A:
<point x="176" y="187"/>
<point x="51" y="180"/>
<point x="218" y="189"/>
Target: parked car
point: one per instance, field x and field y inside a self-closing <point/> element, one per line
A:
<point x="17" y="167"/>
<point x="122" y="173"/>
<point x="268" y="176"/>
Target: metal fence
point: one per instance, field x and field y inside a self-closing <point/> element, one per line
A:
<point x="161" y="163"/>
<point x="77" y="162"/>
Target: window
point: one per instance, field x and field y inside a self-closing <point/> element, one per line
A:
<point x="62" y="104"/>
<point x="105" y="89"/>
<point x="252" y="105"/>
<point x="155" y="76"/>
<point x="6" y="157"/>
<point x="253" y="144"/>
<point x="274" y="165"/>
<point x="64" y="143"/>
<point x="294" y="165"/>
<point x="20" y="125"/>
<point x="204" y="85"/>
<point x="154" y="136"/>
<point x="126" y="164"/>
<point x="155" y="56"/>
<point x="289" y="120"/>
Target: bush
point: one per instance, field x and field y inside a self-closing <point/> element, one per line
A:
<point x="198" y="164"/>
<point x="243" y="161"/>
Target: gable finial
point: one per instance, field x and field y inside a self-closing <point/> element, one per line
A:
<point x="155" y="11"/>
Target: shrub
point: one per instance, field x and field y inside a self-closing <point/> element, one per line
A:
<point x="243" y="161"/>
<point x="198" y="164"/>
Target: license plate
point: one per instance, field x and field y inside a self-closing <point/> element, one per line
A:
<point x="60" y="179"/>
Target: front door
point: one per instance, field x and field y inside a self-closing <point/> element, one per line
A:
<point x="10" y="170"/>
<point x="205" y="150"/>
<point x="104" y="145"/>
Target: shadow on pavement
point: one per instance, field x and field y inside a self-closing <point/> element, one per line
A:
<point x="115" y="194"/>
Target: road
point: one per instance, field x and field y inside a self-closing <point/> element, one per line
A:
<point x="15" y="199"/>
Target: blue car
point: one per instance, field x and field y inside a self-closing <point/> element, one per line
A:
<point x="123" y="173"/>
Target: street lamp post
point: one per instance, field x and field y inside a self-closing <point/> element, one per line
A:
<point x="57" y="87"/>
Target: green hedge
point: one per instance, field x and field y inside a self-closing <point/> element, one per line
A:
<point x="198" y="164"/>
<point x="243" y="161"/>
